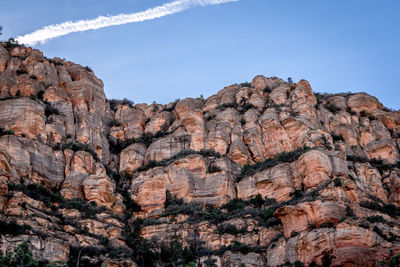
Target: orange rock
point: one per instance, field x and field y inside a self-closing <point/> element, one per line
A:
<point x="238" y="152"/>
<point x="99" y="188"/>
<point x="299" y="218"/>
<point x="186" y="106"/>
<point x="275" y="137"/>
<point x="384" y="149"/>
<point x="3" y="58"/>
<point x="160" y="121"/>
<point x="276" y="182"/>
<point x="24" y="116"/>
<point x="195" y="126"/>
<point x="132" y="158"/>
<point x="304" y="94"/>
<point x="245" y="123"/>
<point x="313" y="168"/>
<point x="363" y="101"/>
<point x="148" y="189"/>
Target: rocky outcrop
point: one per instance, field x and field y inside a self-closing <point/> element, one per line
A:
<point x="266" y="173"/>
<point x="35" y="161"/>
<point x="276" y="182"/>
<point x="50" y="249"/>
<point x="311" y="214"/>
<point x="25" y="117"/>
<point x="185" y="178"/>
<point x="132" y="158"/>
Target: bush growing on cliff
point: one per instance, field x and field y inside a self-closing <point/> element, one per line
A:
<point x="326" y="260"/>
<point x="267" y="89"/>
<point x="349" y="110"/>
<point x="16" y="96"/>
<point x="294" y="233"/>
<point x="376" y="218"/>
<point x="242" y="248"/>
<point x="20" y="72"/>
<point x="89" y="69"/>
<point x="349" y="211"/>
<point x="40" y="94"/>
<point x="80" y="256"/>
<point x="6" y="132"/>
<point x="172" y="106"/>
<point x="214" y="169"/>
<point x="86" y="255"/>
<point x="115" y="123"/>
<point x="57" y="264"/>
<point x="371" y="205"/>
<point x="296" y="194"/>
<point x="298" y="264"/>
<point x="337" y="182"/>
<point x="291" y="156"/>
<point x="10" y="43"/>
<point x="326" y="225"/>
<point x="50" y="109"/>
<point x="130" y="204"/>
<point x="379" y="164"/>
<point x="115" y="102"/>
<point x="181" y="154"/>
<point x="257" y="201"/>
<point x="227" y="105"/>
<point x="12" y="228"/>
<point x="209" y="153"/>
<point x="363" y="113"/>
<point x="267" y="213"/>
<point x="183" y="208"/>
<point x="390" y="209"/>
<point x="389" y="238"/>
<point x="393" y="261"/>
<point x="174" y="254"/>
<point x="86" y="208"/>
<point x="48" y="197"/>
<point x="235" y="204"/>
<point x="393" y="133"/>
<point x="355" y="158"/>
<point x="332" y="108"/>
<point x="38" y="192"/>
<point x="20" y="257"/>
<point x="80" y="147"/>
<point x="231" y="229"/>
<point x="246" y="107"/>
<point x="245" y="84"/>
<point x="210" y="262"/>
<point x="337" y="137"/>
<point x="144" y="252"/>
<point x="116" y="145"/>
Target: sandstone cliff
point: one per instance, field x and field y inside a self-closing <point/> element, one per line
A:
<point x="266" y="173"/>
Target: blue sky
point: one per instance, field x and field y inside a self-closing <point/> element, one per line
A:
<point x="337" y="45"/>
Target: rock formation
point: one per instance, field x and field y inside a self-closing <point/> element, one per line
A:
<point x="266" y="173"/>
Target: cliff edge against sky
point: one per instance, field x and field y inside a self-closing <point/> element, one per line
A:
<point x="265" y="173"/>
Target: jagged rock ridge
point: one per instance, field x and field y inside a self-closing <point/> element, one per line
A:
<point x="265" y="173"/>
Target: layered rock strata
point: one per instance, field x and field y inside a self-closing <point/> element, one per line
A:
<point x="265" y="173"/>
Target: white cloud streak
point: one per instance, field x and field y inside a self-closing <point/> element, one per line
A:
<point x="56" y="30"/>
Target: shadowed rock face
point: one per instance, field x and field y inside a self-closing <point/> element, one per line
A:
<point x="316" y="175"/>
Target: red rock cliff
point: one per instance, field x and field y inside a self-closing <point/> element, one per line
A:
<point x="265" y="173"/>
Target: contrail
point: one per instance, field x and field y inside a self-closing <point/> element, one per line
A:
<point x="52" y="31"/>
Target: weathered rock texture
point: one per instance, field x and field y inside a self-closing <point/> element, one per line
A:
<point x="265" y="173"/>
